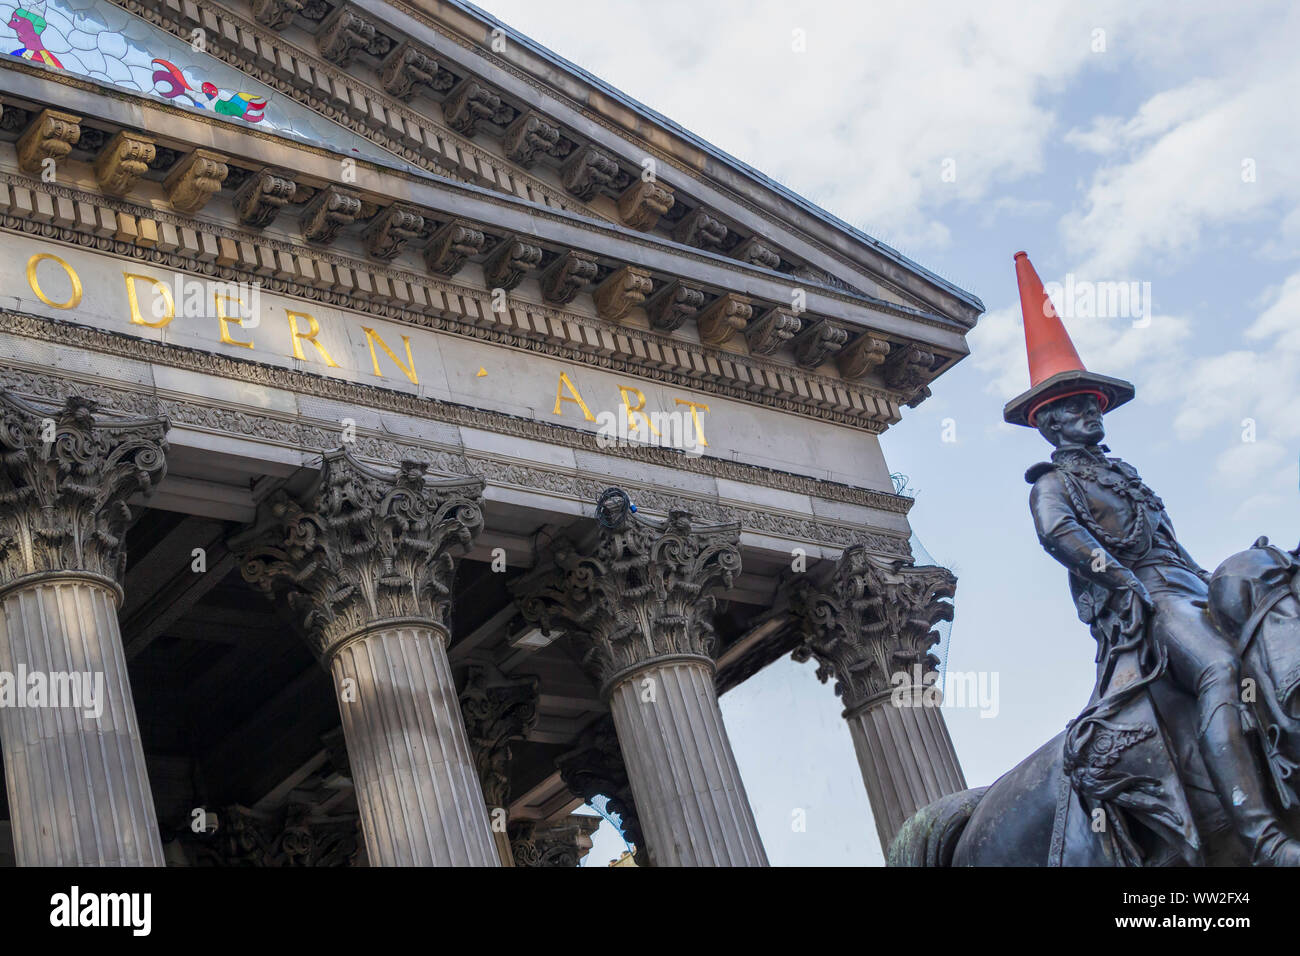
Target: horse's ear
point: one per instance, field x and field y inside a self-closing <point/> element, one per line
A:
<point x="1261" y="542"/>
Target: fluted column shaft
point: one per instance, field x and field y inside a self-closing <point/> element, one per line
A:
<point x="78" y="789"/>
<point x="368" y="560"/>
<point x="638" y="596"/>
<point x="906" y="757"/>
<point x="74" y="764"/>
<point x="689" y="796"/>
<point x="417" y="788"/>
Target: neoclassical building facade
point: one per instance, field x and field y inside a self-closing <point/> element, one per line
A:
<point x="405" y="438"/>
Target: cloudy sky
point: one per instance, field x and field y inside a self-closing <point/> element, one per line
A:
<point x="1115" y="142"/>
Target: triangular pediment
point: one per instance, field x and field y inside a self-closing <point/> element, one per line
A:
<point x="100" y="41"/>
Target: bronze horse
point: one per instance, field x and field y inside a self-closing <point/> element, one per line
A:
<point x="1032" y="815"/>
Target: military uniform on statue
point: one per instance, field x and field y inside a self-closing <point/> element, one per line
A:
<point x="1171" y="761"/>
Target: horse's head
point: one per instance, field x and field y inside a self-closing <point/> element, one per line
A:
<point x="1241" y="582"/>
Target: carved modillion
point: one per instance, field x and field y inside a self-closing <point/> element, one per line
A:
<point x="725" y="316"/>
<point x="194" y="180"/>
<point x="700" y="229"/>
<point x="329" y="211"/>
<point x="50" y="136"/>
<point x="673" y="305"/>
<point x="407" y="68"/>
<point x="510" y="262"/>
<point x="818" y="342"/>
<point x="391" y="229"/>
<point x="587" y="171"/>
<point x="261" y="197"/>
<point x="122" y="162"/>
<point x="642" y="203"/>
<point x="451" y="245"/>
<point x="862" y="355"/>
<point x="621" y="292"/>
<point x="531" y="135"/>
<point x="757" y="253"/>
<point x="468" y="104"/>
<point x="773" y="330"/>
<point x="567" y="276"/>
<point x="342" y="34"/>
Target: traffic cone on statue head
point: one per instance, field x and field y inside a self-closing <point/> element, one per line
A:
<point x="1055" y="369"/>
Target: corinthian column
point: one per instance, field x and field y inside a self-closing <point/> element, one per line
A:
<point x="366" y="560"/>
<point x="74" y="767"/>
<point x="870" y="626"/>
<point x="638" y="597"/>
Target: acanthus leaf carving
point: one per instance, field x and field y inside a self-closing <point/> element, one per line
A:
<point x="531" y="135"/>
<point x="725" y="316"/>
<point x="633" y="593"/>
<point x="364" y="546"/>
<point x="329" y="211"/>
<point x="567" y="276"/>
<point x="50" y="136"/>
<point x="863" y="354"/>
<point x="700" y="229"/>
<point x="342" y="34"/>
<point x="866" y="620"/>
<point x="642" y="203"/>
<point x="818" y="342"/>
<point x="451" y="245"/>
<point x="194" y="180"/>
<point x="407" y="68"/>
<point x="496" y="709"/>
<point x="621" y="292"/>
<point x="391" y="229"/>
<point x="468" y="104"/>
<point x="261" y="197"/>
<point x="673" y="305"/>
<point x="587" y="171"/>
<point x="773" y="330"/>
<point x="65" y="477"/>
<point x="510" y="262"/>
<point x="122" y="162"/>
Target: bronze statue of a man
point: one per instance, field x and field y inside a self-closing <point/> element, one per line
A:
<point x="1130" y="578"/>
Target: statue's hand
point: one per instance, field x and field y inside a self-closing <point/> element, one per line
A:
<point x="1134" y="605"/>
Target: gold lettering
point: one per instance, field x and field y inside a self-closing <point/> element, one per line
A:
<point x="696" y="408"/>
<point x="577" y="399"/>
<point x="309" y="336"/>
<point x="409" y="368"/>
<point x="73" y="300"/>
<point x="638" y="407"/>
<point x="223" y="319"/>
<point x="134" y="301"/>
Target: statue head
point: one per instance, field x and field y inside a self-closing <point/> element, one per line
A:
<point x="1073" y="420"/>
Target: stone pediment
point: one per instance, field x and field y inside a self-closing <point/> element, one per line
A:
<point x="450" y="90"/>
<point x="491" y="227"/>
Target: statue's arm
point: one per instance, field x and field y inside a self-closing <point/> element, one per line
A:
<point x="1069" y="542"/>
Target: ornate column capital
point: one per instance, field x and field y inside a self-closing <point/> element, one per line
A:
<point x="634" y="592"/>
<point x="865" y="620"/>
<point x="496" y="710"/>
<point x="65" y="477"/>
<point x="365" y="548"/>
<point x="595" y="767"/>
<point x="558" y="844"/>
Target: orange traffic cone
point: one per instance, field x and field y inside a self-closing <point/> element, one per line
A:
<point x="1055" y="369"/>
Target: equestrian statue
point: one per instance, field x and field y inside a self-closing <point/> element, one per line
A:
<point x="1187" y="751"/>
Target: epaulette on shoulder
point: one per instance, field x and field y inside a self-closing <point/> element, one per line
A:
<point x="1037" y="471"/>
